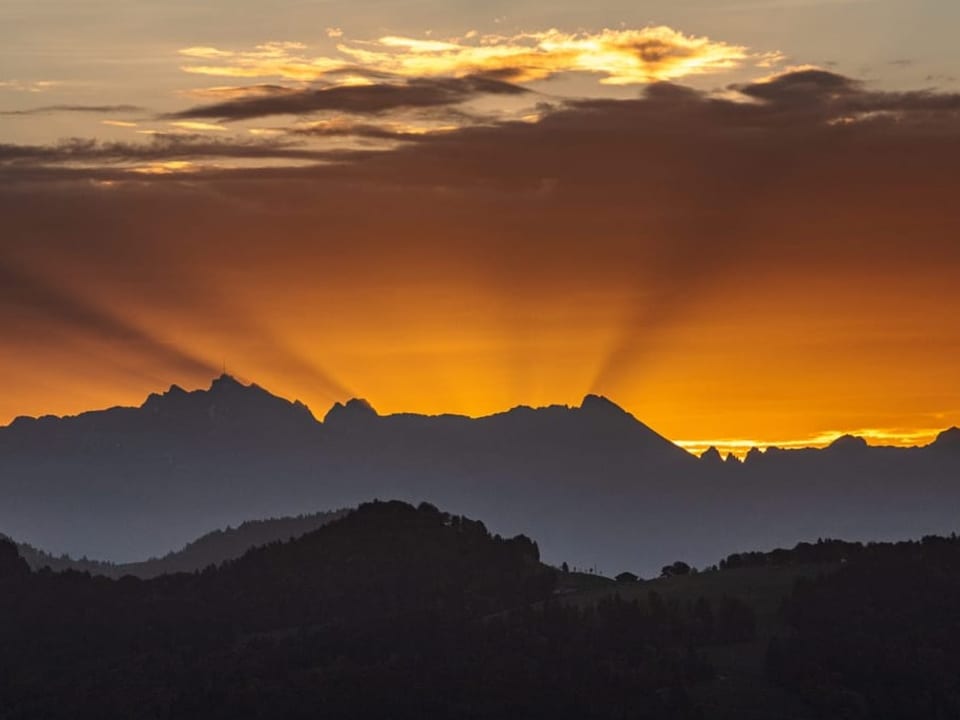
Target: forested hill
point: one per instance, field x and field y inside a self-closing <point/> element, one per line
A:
<point x="403" y="612"/>
<point x="391" y="611"/>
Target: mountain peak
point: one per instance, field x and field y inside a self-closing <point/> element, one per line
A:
<point x="226" y="382"/>
<point x="848" y="442"/>
<point x="227" y="402"/>
<point x="600" y="403"/>
<point x="353" y="410"/>
<point x="948" y="439"/>
<point x="712" y="456"/>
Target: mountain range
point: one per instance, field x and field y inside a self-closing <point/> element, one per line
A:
<point x="596" y="486"/>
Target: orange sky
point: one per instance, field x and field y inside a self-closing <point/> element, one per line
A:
<point x="738" y="246"/>
<point x="785" y="344"/>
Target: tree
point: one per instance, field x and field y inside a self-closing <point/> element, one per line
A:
<point x="677" y="568"/>
<point x="11" y="564"/>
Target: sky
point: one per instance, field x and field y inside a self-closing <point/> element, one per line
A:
<point x="736" y="218"/>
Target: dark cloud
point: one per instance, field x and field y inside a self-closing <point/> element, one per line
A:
<point x="807" y="101"/>
<point x="162" y="148"/>
<point x="802" y="86"/>
<point x="92" y="109"/>
<point x="450" y="119"/>
<point x="672" y="125"/>
<point x="827" y="95"/>
<point x="358" y="130"/>
<point x="374" y="99"/>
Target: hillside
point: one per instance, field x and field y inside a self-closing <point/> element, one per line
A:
<point x="391" y="610"/>
<point x="841" y="629"/>
<point x="415" y="613"/>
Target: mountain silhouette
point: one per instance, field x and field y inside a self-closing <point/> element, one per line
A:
<point x="212" y="549"/>
<point x="948" y="440"/>
<point x="593" y="483"/>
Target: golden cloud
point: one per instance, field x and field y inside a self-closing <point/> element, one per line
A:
<point x="166" y="167"/>
<point x="618" y="57"/>
<point x="195" y="126"/>
<point x="234" y="92"/>
<point x="272" y="59"/>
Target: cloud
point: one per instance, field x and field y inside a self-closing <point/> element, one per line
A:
<point x="801" y="86"/>
<point x="814" y="95"/>
<point x="372" y="99"/>
<point x="274" y="59"/>
<point x="233" y="92"/>
<point x="615" y="56"/>
<point x="198" y="126"/>
<point x="618" y="57"/>
<point x="162" y="148"/>
<point x="394" y="131"/>
<point x="92" y="109"/>
<point x="773" y="110"/>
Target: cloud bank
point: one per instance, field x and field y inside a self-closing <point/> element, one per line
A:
<point x="615" y="56"/>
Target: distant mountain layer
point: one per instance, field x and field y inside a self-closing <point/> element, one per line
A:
<point x="212" y="549"/>
<point x="593" y="483"/>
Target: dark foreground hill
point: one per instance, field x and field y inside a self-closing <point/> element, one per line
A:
<point x="391" y="611"/>
<point x="402" y="612"/>
<point x="214" y="548"/>
<point x="596" y="486"/>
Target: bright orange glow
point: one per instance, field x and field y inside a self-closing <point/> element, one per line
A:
<point x="165" y="168"/>
<point x="892" y="437"/>
<point x="198" y="126"/>
<point x="460" y="349"/>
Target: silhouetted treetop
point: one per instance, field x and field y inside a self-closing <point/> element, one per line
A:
<point x="11" y="564"/>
